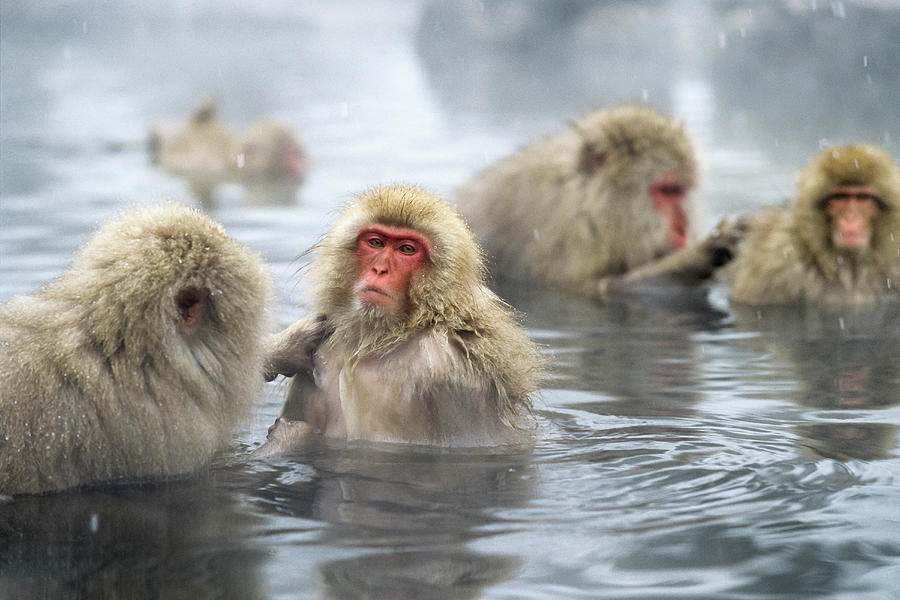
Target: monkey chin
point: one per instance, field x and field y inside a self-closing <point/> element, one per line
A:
<point x="855" y="244"/>
<point x="373" y="296"/>
<point x="377" y="307"/>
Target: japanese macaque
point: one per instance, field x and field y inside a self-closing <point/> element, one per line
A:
<point x="138" y="362"/>
<point x="200" y="149"/>
<point x="837" y="242"/>
<point x="207" y="153"/>
<point x="595" y="207"/>
<point x="267" y="150"/>
<point x="406" y="343"/>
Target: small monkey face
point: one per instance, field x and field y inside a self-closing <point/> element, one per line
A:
<point x="669" y="196"/>
<point x="851" y="210"/>
<point x="387" y="257"/>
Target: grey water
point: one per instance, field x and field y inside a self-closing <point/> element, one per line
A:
<point x="687" y="449"/>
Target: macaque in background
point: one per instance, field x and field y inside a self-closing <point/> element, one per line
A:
<point x="199" y="149"/>
<point x="265" y="156"/>
<point x="406" y="343"/>
<point x="267" y="150"/>
<point x="837" y="243"/>
<point x="138" y="362"/>
<point x="595" y="207"/>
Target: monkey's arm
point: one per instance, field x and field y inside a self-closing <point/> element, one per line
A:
<point x="291" y="351"/>
<point x="688" y="266"/>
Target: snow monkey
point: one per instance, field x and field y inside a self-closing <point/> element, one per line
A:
<point x="588" y="207"/>
<point x="207" y="153"/>
<point x="406" y="343"/>
<point x="836" y="243"/>
<point x="135" y="363"/>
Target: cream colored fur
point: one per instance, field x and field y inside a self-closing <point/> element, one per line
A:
<point x="97" y="385"/>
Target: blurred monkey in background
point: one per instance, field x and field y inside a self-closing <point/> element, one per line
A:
<point x="264" y="157"/>
<point x="597" y="207"/>
<point x="836" y="243"/>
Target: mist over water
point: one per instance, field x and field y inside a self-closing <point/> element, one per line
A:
<point x="688" y="449"/>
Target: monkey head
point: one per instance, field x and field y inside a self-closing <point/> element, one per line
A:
<point x="638" y="153"/>
<point x="269" y="151"/>
<point x="848" y="203"/>
<point x="165" y="271"/>
<point x="400" y="230"/>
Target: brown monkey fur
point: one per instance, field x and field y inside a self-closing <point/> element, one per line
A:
<point x="451" y="369"/>
<point x="138" y="362"/>
<point x="207" y="153"/>
<point x="266" y="150"/>
<point x="200" y="149"/>
<point x="788" y="256"/>
<point x="574" y="208"/>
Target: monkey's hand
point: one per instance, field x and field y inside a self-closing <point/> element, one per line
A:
<point x="688" y="266"/>
<point x="284" y="435"/>
<point x="720" y="246"/>
<point x="291" y="351"/>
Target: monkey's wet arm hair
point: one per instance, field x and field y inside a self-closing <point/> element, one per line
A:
<point x="291" y="351"/>
<point x="686" y="267"/>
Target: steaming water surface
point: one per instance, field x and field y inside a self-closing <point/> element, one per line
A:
<point x="687" y="450"/>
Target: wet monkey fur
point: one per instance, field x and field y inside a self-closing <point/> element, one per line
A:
<point x="137" y="362"/>
<point x="405" y="343"/>
<point x="601" y="203"/>
<point x="836" y="243"/>
<point x="207" y="153"/>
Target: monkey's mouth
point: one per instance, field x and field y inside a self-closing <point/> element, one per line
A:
<point x="371" y="289"/>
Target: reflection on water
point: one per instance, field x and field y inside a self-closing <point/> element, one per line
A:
<point x="846" y="368"/>
<point x="689" y="449"/>
<point x="436" y="575"/>
<point x="182" y="540"/>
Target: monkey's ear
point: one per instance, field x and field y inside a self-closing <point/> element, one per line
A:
<point x="191" y="305"/>
<point x="591" y="159"/>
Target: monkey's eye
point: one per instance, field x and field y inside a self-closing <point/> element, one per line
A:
<point x="869" y="198"/>
<point x="839" y="199"/>
<point x="376" y="242"/>
<point x="407" y="249"/>
<point x="671" y="189"/>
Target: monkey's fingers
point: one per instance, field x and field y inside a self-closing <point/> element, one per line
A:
<point x="285" y="435"/>
<point x="725" y="239"/>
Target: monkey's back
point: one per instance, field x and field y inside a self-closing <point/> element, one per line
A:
<point x="71" y="416"/>
<point x="97" y="383"/>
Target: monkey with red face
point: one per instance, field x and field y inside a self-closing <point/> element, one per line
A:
<point x="597" y="208"/>
<point x="406" y="343"/>
<point x="837" y="243"/>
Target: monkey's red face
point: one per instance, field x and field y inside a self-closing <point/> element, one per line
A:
<point x="292" y="159"/>
<point x="669" y="201"/>
<point x="387" y="257"/>
<point x="851" y="209"/>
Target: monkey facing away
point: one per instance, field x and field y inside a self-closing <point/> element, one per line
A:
<point x="137" y="362"/>
<point x="836" y="243"/>
<point x="406" y="343"/>
<point x="600" y="203"/>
